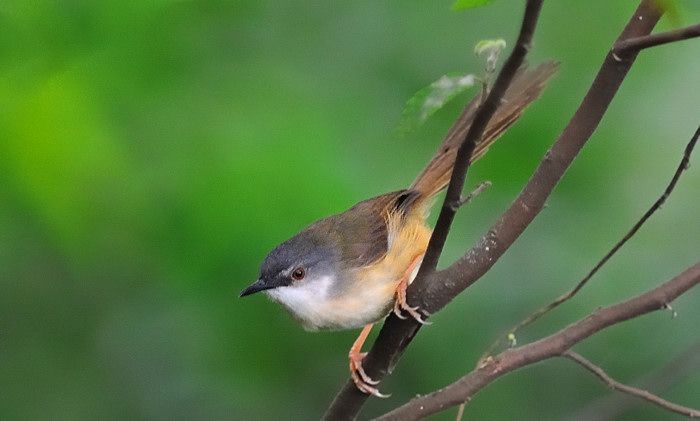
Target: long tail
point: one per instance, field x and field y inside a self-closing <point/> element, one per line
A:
<point x="526" y="87"/>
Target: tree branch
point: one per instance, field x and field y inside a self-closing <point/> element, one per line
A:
<point x="639" y="43"/>
<point x="554" y="345"/>
<point x="431" y="291"/>
<point x="684" y="164"/>
<point x="615" y="385"/>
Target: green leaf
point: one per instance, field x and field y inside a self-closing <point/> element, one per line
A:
<point x="489" y="46"/>
<point x="470" y="4"/>
<point x="428" y="100"/>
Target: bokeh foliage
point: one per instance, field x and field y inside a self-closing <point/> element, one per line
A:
<point x="152" y="152"/>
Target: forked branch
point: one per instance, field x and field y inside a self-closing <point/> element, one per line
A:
<point x="554" y="345"/>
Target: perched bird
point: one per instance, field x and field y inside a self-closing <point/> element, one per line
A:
<point x="351" y="269"/>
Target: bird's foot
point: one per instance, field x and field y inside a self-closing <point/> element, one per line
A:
<point x="363" y="381"/>
<point x="400" y="305"/>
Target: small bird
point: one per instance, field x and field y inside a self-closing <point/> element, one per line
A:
<point x="352" y="269"/>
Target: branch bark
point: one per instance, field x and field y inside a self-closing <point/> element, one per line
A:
<point x="554" y="345"/>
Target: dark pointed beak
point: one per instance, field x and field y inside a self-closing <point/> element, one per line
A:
<point x="257" y="286"/>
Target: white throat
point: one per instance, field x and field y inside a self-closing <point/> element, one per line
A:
<point x="317" y="306"/>
<point x="306" y="301"/>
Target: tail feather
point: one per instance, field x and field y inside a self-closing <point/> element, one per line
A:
<point x="526" y="87"/>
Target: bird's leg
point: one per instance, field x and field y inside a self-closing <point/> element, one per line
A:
<point x="400" y="305"/>
<point x="361" y="379"/>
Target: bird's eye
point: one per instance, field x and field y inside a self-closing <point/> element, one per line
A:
<point x="298" y="273"/>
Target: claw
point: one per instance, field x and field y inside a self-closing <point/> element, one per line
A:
<point x="362" y="380"/>
<point x="397" y="310"/>
<point x="357" y="370"/>
<point x="400" y="305"/>
<point x="370" y="390"/>
<point x="415" y="314"/>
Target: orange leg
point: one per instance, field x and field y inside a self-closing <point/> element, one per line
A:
<point x="400" y="305"/>
<point x="361" y="379"/>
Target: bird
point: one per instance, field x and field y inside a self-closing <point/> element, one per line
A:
<point x="351" y="269"/>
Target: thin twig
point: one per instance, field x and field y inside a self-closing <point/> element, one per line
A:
<point x="554" y="345"/>
<point x="460" y="412"/>
<point x="477" y="191"/>
<point x="639" y="43"/>
<point x="615" y="385"/>
<point x="615" y="406"/>
<point x="684" y="164"/>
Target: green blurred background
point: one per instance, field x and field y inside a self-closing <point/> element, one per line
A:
<point x="153" y="152"/>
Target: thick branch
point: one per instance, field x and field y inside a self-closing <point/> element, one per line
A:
<point x="554" y="345"/>
<point x="643" y="394"/>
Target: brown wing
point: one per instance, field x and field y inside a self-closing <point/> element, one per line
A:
<point x="362" y="230"/>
